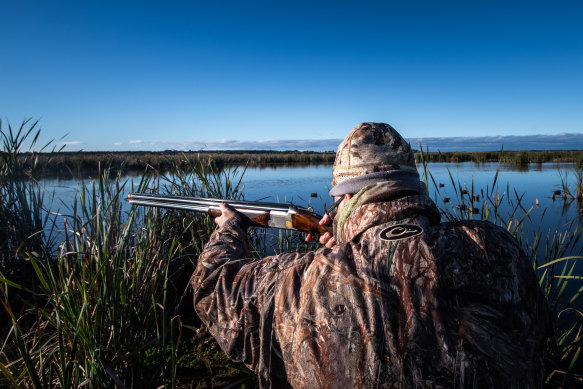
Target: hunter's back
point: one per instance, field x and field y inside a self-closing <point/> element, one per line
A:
<point x="408" y="302"/>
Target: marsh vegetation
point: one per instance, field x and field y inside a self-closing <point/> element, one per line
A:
<point x="67" y="164"/>
<point x="502" y="156"/>
<point x="103" y="300"/>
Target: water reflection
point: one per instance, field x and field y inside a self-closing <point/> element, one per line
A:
<point x="532" y="186"/>
<point x="309" y="185"/>
<point x="483" y="183"/>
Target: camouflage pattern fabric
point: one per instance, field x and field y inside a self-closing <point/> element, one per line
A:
<point x="369" y="148"/>
<point x="405" y="302"/>
<point x="376" y="193"/>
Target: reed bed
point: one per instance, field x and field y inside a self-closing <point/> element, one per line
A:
<point x="83" y="164"/>
<point x="568" y="191"/>
<point x="104" y="302"/>
<point x="515" y="157"/>
<point x="95" y="293"/>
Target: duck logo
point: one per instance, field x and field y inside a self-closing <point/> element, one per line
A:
<point x="400" y="231"/>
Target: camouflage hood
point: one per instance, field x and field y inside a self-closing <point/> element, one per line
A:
<point x="371" y="148"/>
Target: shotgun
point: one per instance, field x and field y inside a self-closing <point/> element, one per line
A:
<point x="259" y="214"/>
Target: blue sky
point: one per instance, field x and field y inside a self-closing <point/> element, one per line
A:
<point x="131" y="75"/>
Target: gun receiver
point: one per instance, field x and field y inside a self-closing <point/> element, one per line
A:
<point x="259" y="214"/>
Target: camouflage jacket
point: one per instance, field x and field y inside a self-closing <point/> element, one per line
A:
<point x="405" y="302"/>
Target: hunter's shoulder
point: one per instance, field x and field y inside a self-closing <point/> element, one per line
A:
<point x="480" y="254"/>
<point x="478" y="231"/>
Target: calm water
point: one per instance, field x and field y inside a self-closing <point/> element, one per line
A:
<point x="297" y="184"/>
<point x="309" y="185"/>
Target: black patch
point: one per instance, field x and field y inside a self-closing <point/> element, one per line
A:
<point x="339" y="309"/>
<point x="400" y="231"/>
<point x="379" y="136"/>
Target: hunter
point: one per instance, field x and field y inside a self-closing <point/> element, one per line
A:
<point x="394" y="299"/>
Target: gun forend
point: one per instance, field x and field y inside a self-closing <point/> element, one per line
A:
<point x="257" y="213"/>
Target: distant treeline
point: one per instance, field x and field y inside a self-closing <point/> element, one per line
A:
<point x="78" y="164"/>
<point x="513" y="157"/>
<point x="84" y="163"/>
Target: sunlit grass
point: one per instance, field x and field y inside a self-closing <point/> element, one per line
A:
<point x="102" y="305"/>
<point x="103" y="300"/>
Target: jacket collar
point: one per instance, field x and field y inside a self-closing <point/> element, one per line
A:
<point x="373" y="214"/>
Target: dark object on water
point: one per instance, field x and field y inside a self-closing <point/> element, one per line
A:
<point x="462" y="207"/>
<point x="475" y="210"/>
<point x="464" y="192"/>
<point x="441" y="185"/>
<point x="446" y="199"/>
<point x="555" y="193"/>
<point x="476" y="198"/>
<point x="313" y="195"/>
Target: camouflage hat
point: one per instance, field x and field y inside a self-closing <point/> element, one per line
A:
<point x="372" y="148"/>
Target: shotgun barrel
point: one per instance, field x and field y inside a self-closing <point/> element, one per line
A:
<point x="260" y="214"/>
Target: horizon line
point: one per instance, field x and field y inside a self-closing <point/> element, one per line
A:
<point x="563" y="141"/>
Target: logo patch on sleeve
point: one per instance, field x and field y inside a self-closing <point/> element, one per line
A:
<point x="400" y="231"/>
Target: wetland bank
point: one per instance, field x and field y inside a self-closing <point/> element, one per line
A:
<point x="94" y="291"/>
<point x="82" y="163"/>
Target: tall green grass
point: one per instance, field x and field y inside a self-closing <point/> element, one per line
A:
<point x="103" y="306"/>
<point x="22" y="220"/>
<point x="105" y="302"/>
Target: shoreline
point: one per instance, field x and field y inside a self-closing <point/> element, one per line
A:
<point x="82" y="163"/>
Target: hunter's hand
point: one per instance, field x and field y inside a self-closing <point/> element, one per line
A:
<point x="326" y="239"/>
<point x="227" y="213"/>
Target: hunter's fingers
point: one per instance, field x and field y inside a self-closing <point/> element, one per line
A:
<point x="324" y="238"/>
<point x="327" y="219"/>
<point x="331" y="243"/>
<point x="227" y="208"/>
<point x="226" y="213"/>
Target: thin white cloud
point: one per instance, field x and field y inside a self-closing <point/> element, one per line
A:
<point x="225" y="144"/>
<point x="509" y="142"/>
<point x="117" y="143"/>
<point x="476" y="143"/>
<point x="72" y="143"/>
